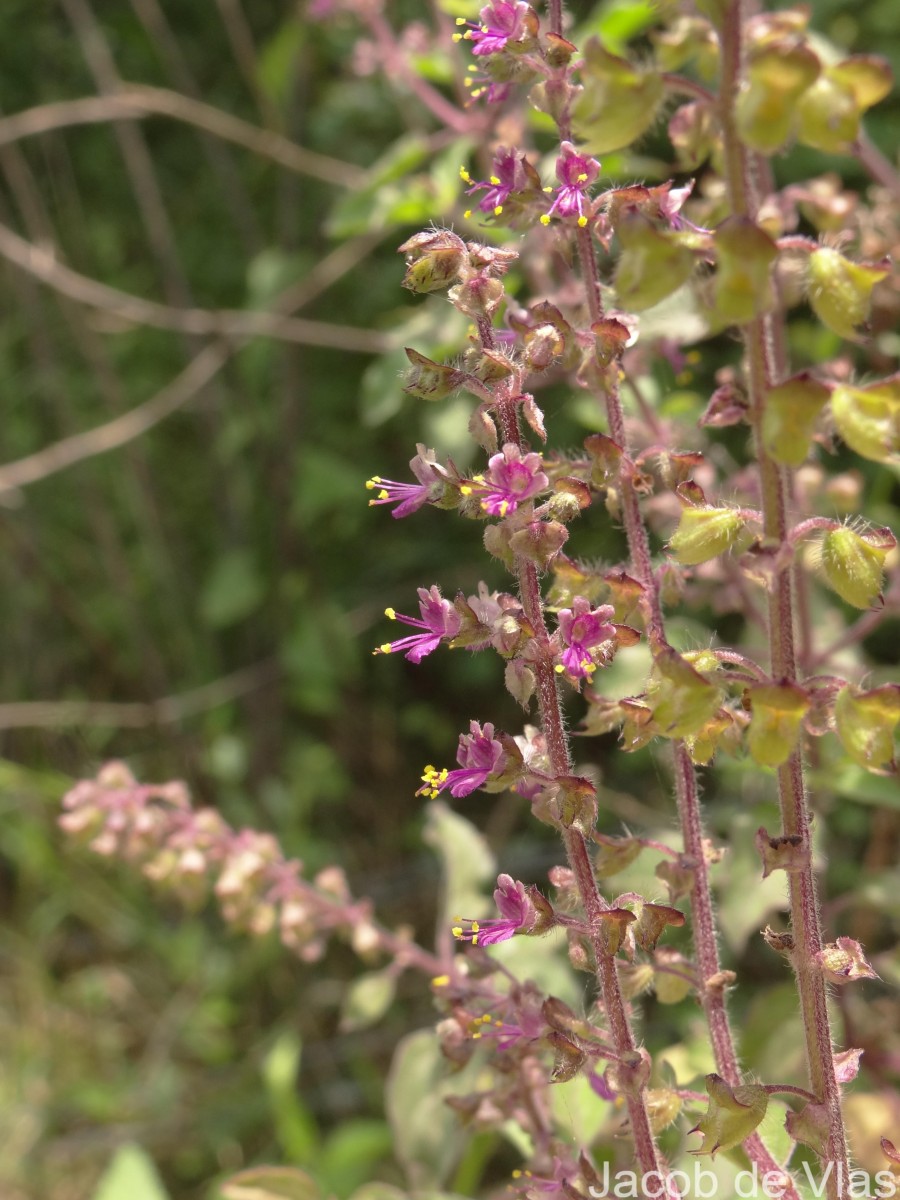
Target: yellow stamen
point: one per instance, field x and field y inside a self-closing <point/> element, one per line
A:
<point x="467" y="214"/>
<point x="440" y="981"/>
<point x="498" y="210"/>
<point x="390" y="614"/>
<point x="495" y="181"/>
<point x="582" y="221"/>
<point x="545" y="220"/>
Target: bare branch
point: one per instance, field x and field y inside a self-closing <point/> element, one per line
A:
<point x="137" y="102"/>
<point x="227" y="323"/>
<point x="122" y="429"/>
<point x="51" y="714"/>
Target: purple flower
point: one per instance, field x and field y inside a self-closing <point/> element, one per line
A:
<point x="517" y="911"/>
<point x="409" y="497"/>
<point x="582" y="630"/>
<point x="575" y="172"/>
<point x="508" y="176"/>
<point x="502" y="21"/>
<point x="439" y="620"/>
<point x="480" y="755"/>
<point x="511" y="479"/>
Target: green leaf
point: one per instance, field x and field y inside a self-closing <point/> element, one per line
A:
<point x="270" y="1183"/>
<point x="277" y="58"/>
<point x="295" y="1128"/>
<point x="467" y="862"/>
<point x="351" y="1153"/>
<point x="233" y="590"/>
<point x="130" y="1176"/>
<point x="367" y="999"/>
<point x="428" y="1137"/>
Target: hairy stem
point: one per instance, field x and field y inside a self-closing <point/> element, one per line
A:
<point x="762" y="338"/>
<point x="711" y="983"/>
<point x="553" y="726"/>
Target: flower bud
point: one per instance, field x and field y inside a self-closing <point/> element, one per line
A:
<point x="614" y="854"/>
<point x="520" y="681"/>
<point x="789" y="417"/>
<point x="868" y="418"/>
<point x="539" y="541"/>
<point x="732" y="1115"/>
<point x="663" y="1106"/>
<point x="617" y="103"/>
<point x="810" y="1125"/>
<point x="829" y="112"/>
<point x="631" y="1073"/>
<point x="693" y="133"/>
<point x="678" y="874"/>
<point x="853" y="563"/>
<point x="788" y="853"/>
<point x="433" y="260"/>
<point x="778" y="73"/>
<point x="865" y="723"/>
<point x="777" y="715"/>
<point x="742" y="285"/>
<point x="672" y="979"/>
<point x="680" y="699"/>
<point x="479" y="296"/>
<point x="612" y="925"/>
<point x="840" y="291"/>
<point x="704" y="532"/>
<point x="843" y="962"/>
<point x="652" y="922"/>
<point x="430" y="380"/>
<point x="652" y="265"/>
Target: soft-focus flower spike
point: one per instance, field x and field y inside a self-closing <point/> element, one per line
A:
<point x="576" y="173"/>
<point x="512" y="478"/>
<point x="439" y="620"/>
<point x="409" y="497"/>
<point x="480" y="755"/>
<point x="502" y="21"/>
<point x="583" y="629"/>
<point x="517" y="915"/>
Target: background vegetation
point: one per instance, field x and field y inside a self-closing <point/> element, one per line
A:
<point x="200" y="596"/>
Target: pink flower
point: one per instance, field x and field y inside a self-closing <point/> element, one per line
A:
<point x="502" y="21"/>
<point x="439" y="620"/>
<point x="517" y="914"/>
<point x="512" y="478"/>
<point x="509" y="175"/>
<point x="409" y="497"/>
<point x="583" y="630"/>
<point x="575" y="172"/>
<point x="480" y="755"/>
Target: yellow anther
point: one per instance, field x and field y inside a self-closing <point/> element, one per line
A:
<point x="465" y="490"/>
<point x="545" y="220"/>
<point x="467" y="214"/>
<point x="582" y="177"/>
<point x="457" y="931"/>
<point x="582" y="221"/>
<point x="390" y="614"/>
<point x="440" y="981"/>
<point x="495" y="181"/>
<point x="559" y="668"/>
<point x="457" y="37"/>
<point x="460" y="20"/>
<point x="548" y="190"/>
<point x="498" y="210"/>
<point x="385" y="648"/>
